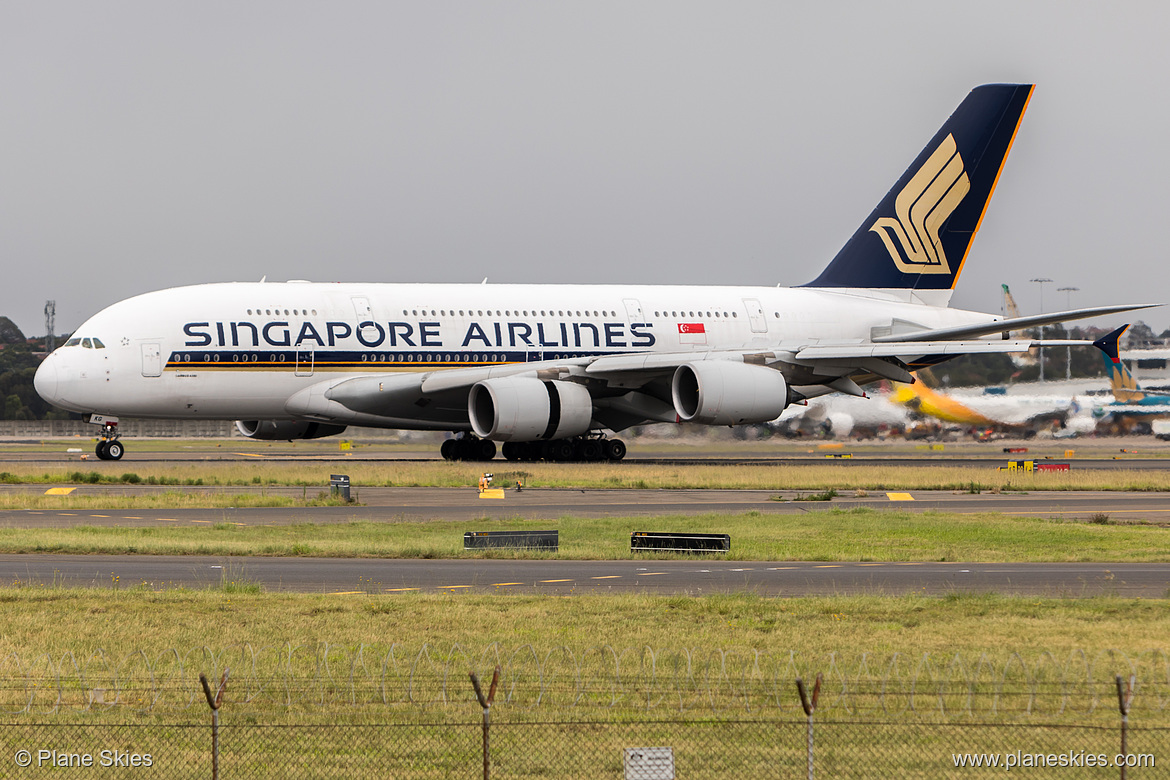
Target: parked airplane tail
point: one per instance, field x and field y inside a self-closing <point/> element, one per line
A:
<point x="1125" y="387"/>
<point x="919" y="235"/>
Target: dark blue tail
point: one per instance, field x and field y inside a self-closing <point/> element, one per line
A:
<point x="919" y="235"/>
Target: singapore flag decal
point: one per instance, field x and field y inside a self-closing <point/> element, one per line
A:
<point x="692" y="333"/>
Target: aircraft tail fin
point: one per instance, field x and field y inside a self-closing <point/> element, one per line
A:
<point x="1125" y="387"/>
<point x="920" y="233"/>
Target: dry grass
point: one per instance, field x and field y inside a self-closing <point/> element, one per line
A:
<point x="154" y="618"/>
<point x="829" y="535"/>
<point x="856" y="476"/>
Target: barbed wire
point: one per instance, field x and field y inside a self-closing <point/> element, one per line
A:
<point x="324" y="676"/>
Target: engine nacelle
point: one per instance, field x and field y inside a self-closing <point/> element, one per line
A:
<point x="720" y="392"/>
<point x="514" y="408"/>
<point x="286" y="430"/>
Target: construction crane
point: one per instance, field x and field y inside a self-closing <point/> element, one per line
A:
<point x="50" y="325"/>
<point x="1011" y="311"/>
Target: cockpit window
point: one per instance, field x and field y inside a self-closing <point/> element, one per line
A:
<point x="73" y="343"/>
<point x="87" y="343"/>
<point x="97" y="344"/>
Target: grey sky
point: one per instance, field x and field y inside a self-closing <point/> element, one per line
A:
<point x="146" y="145"/>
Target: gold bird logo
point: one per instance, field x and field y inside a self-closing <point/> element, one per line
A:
<point x="922" y="206"/>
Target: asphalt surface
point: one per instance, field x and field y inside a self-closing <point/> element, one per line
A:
<point x="347" y="576"/>
<point x="354" y="576"/>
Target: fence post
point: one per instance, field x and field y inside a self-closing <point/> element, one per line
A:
<point x="1124" y="699"/>
<point x="810" y="706"/>
<point x="214" y="702"/>
<point x="486" y="703"/>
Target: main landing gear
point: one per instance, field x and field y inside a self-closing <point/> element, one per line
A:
<point x="581" y="448"/>
<point x="467" y="447"/>
<point x="109" y="448"/>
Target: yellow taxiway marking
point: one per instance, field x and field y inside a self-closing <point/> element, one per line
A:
<point x="449" y="587"/>
<point x="899" y="496"/>
<point x="347" y="592"/>
<point x="911" y="563"/>
<point x="59" y="491"/>
<point x="397" y="590"/>
<point x="502" y="584"/>
<point x="871" y="564"/>
<point x="200" y="521"/>
<point x="556" y="580"/>
<point x="650" y="573"/>
<point x="169" y="519"/>
<point x="99" y="515"/>
<point x="131" y="518"/>
<point x="607" y="577"/>
<point x="780" y="568"/>
<point x="249" y="454"/>
<point x="828" y="566"/>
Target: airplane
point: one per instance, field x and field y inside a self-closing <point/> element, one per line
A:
<point x="841" y="416"/>
<point x="1025" y="415"/>
<point x="547" y="370"/>
<point x="1133" y="409"/>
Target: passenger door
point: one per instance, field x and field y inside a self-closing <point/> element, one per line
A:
<point x="151" y="360"/>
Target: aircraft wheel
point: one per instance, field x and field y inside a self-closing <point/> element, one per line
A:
<point x="615" y="449"/>
<point x="511" y="450"/>
<point x="100" y="450"/>
<point x="590" y="450"/>
<point x="115" y="450"/>
<point x="560" y="450"/>
<point x="448" y="450"/>
<point x="485" y="449"/>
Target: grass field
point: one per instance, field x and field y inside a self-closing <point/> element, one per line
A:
<point x="829" y="535"/>
<point x="858" y="475"/>
<point x="125" y="619"/>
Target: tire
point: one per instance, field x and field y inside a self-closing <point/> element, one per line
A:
<point x="615" y="449"/>
<point x="512" y="451"/>
<point x="485" y="449"/>
<point x="448" y="450"/>
<point x="100" y="450"/>
<point x="115" y="450"/>
<point x="590" y="450"/>
<point x="560" y="450"/>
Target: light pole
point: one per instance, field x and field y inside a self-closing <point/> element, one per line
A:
<point x="1041" y="282"/>
<point x="1068" y="350"/>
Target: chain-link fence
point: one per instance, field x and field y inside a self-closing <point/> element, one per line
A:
<point x="359" y="712"/>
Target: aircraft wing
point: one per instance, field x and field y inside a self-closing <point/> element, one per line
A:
<point x="636" y="387"/>
<point x="1004" y="326"/>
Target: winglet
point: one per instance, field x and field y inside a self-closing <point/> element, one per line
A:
<point x="1108" y="344"/>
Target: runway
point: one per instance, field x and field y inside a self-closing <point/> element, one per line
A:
<point x="355" y="577"/>
<point x="421" y="504"/>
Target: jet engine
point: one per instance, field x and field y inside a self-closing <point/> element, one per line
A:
<point x="286" y="430"/>
<point x="718" y="392"/>
<point x="526" y="409"/>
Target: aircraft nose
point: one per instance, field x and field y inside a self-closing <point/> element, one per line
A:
<point x="45" y="379"/>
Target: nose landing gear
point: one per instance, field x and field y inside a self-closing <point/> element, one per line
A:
<point x="109" y="448"/>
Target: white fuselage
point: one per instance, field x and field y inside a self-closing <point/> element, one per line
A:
<point x="242" y="350"/>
